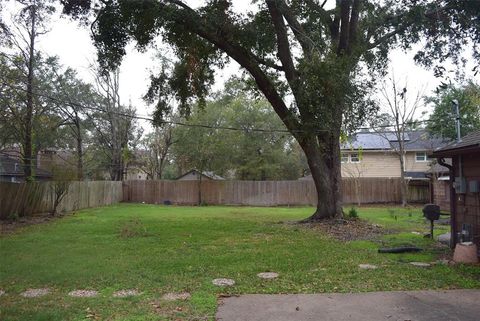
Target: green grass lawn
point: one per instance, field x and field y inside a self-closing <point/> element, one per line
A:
<point x="159" y="249"/>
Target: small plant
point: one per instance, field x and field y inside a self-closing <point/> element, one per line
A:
<point x="393" y="214"/>
<point x="352" y="213"/>
<point x="13" y="216"/>
<point x="133" y="228"/>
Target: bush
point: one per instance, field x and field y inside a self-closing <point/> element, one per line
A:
<point x="352" y="213"/>
<point x="13" y="216"/>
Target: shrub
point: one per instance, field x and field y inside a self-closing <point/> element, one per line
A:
<point x="352" y="213"/>
<point x="13" y="216"/>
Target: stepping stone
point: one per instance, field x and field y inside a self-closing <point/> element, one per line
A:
<point x="223" y="282"/>
<point x="268" y="275"/>
<point x="443" y="262"/>
<point x="444" y="238"/>
<point x="34" y="293"/>
<point x="176" y="296"/>
<point x="2" y="292"/>
<point x="83" y="293"/>
<point x="367" y="266"/>
<point x="421" y="264"/>
<point x="416" y="233"/>
<point x="126" y="293"/>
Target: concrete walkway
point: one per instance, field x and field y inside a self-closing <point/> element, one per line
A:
<point x="454" y="305"/>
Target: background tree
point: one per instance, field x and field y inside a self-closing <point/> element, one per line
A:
<point x="22" y="35"/>
<point x="258" y="147"/>
<point x="402" y="109"/>
<point x="62" y="179"/>
<point x="74" y="99"/>
<point x="355" y="170"/>
<point x="44" y="121"/>
<point x="155" y="151"/>
<point x="442" y="120"/>
<point x="115" y="126"/>
<point x="306" y="58"/>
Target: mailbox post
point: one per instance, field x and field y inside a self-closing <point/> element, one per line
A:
<point x="431" y="212"/>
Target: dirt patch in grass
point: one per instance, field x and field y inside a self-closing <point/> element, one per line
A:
<point x="348" y="230"/>
<point x="126" y="293"/>
<point x="83" y="293"/>
<point x="33" y="293"/>
<point x="10" y="226"/>
<point x="133" y="228"/>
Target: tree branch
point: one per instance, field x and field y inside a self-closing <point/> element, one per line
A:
<point x="284" y="53"/>
<point x="243" y="57"/>
<point x="344" y="26"/>
<point x="298" y="30"/>
<point x="353" y="25"/>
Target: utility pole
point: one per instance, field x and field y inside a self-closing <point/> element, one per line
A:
<point x="456" y="111"/>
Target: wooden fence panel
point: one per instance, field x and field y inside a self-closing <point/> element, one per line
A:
<point x="268" y="193"/>
<point x="23" y="199"/>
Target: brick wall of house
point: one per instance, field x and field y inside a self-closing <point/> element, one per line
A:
<point x="441" y="194"/>
<point x="468" y="204"/>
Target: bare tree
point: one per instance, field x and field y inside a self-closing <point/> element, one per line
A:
<point x="156" y="147"/>
<point x="355" y="171"/>
<point x="402" y="108"/>
<point x="115" y="125"/>
<point x="62" y="179"/>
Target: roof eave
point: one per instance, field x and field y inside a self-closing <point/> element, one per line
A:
<point x="456" y="151"/>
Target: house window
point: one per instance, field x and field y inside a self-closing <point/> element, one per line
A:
<point x="344" y="158"/>
<point x="421" y="157"/>
<point x="354" y="158"/>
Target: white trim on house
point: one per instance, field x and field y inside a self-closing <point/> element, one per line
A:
<point x="347" y="157"/>
<point x="424" y="156"/>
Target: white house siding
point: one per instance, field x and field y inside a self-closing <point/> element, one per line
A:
<point x="382" y="164"/>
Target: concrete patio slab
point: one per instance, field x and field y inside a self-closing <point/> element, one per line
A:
<point x="453" y="305"/>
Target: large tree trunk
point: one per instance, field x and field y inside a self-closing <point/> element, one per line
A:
<point x="323" y="157"/>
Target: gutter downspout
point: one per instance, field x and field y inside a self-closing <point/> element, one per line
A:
<point x="453" y="202"/>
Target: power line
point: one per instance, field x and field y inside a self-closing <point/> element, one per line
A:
<point x="179" y="123"/>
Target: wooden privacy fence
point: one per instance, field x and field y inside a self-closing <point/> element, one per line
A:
<point x="268" y="193"/>
<point x="37" y="197"/>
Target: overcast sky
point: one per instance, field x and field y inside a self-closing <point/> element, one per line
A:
<point x="73" y="45"/>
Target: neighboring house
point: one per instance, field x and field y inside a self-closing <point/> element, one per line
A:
<point x="50" y="158"/>
<point x="135" y="173"/>
<point x="11" y="170"/>
<point x="195" y="175"/>
<point x="465" y="185"/>
<point x="371" y="154"/>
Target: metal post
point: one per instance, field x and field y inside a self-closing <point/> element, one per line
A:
<point x="431" y="229"/>
<point x="456" y="111"/>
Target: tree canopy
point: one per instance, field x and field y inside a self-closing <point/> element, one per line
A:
<point x="256" y="147"/>
<point x="442" y="120"/>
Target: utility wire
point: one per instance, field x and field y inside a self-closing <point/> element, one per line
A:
<point x="179" y="123"/>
